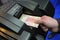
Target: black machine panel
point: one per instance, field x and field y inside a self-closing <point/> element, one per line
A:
<point x="11" y="12"/>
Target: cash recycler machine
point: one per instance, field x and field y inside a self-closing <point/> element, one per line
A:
<point x="17" y="19"/>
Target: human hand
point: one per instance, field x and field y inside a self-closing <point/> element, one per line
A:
<point x="48" y="23"/>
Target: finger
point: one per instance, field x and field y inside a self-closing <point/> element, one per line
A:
<point x="39" y="21"/>
<point x="45" y="29"/>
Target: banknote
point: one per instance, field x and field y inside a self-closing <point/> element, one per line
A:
<point x="30" y="20"/>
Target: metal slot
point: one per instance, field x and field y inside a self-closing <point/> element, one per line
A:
<point x="9" y="33"/>
<point x="10" y="25"/>
<point x="15" y="9"/>
<point x="42" y="3"/>
<point x="24" y="36"/>
<point x="13" y="20"/>
<point x="28" y="4"/>
<point x="5" y="36"/>
<point x="6" y="6"/>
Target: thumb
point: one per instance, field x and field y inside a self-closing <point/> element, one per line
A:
<point x="39" y="21"/>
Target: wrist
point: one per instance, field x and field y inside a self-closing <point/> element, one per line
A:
<point x="58" y="20"/>
<point x="56" y="27"/>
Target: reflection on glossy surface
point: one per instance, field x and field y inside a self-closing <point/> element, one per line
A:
<point x="1" y="29"/>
